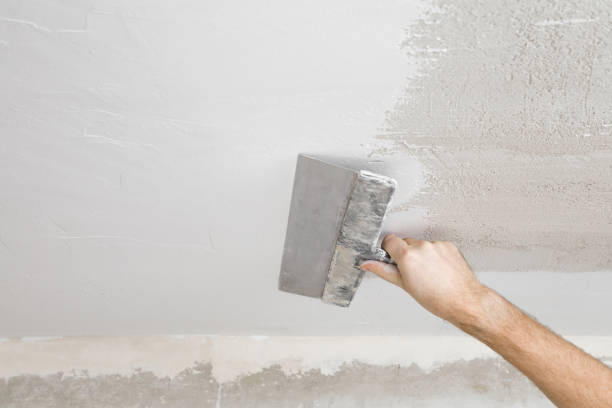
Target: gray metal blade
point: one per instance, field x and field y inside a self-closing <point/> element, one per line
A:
<point x="320" y="196"/>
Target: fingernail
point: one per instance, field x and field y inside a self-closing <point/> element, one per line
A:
<point x="366" y="266"/>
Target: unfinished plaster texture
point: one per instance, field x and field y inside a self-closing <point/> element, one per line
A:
<point x="219" y="371"/>
<point x="478" y="383"/>
<point x="510" y="114"/>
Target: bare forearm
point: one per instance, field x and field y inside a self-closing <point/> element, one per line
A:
<point x="566" y="374"/>
<point x="439" y="278"/>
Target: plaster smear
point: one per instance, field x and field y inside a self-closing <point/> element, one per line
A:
<point x="476" y="383"/>
<point x="235" y="356"/>
<point x="232" y="357"/>
<point x="510" y="114"/>
<point x="241" y="371"/>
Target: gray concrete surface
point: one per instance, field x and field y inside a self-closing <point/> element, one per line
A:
<point x="476" y="383"/>
<point x="259" y="371"/>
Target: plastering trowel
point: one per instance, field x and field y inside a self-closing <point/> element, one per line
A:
<point x="335" y="222"/>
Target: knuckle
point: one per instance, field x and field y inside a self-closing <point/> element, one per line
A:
<point x="443" y="244"/>
<point x="410" y="256"/>
<point x="424" y="244"/>
<point x="403" y="252"/>
<point x="449" y="245"/>
<point x="388" y="239"/>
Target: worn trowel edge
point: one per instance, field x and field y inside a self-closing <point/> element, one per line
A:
<point x="358" y="235"/>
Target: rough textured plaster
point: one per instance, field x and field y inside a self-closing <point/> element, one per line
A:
<point x="475" y="383"/>
<point x="510" y="114"/>
<point x="234" y="356"/>
<point x="218" y="371"/>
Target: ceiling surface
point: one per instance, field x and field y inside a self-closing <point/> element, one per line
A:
<point x="147" y="151"/>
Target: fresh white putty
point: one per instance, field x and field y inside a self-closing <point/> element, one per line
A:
<point x="147" y="154"/>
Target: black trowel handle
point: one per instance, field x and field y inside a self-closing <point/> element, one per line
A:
<point x="381" y="255"/>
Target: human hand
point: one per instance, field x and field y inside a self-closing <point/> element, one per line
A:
<point x="434" y="273"/>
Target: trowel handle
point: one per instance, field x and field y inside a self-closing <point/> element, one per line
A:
<point x="382" y="256"/>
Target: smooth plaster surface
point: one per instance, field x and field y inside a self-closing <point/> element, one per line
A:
<point x="147" y="152"/>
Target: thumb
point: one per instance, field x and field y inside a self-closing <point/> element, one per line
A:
<point x="388" y="272"/>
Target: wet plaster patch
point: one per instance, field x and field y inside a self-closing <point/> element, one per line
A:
<point x="474" y="383"/>
<point x="510" y="115"/>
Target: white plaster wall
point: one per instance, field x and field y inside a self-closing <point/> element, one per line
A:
<point x="146" y="159"/>
<point x="148" y="151"/>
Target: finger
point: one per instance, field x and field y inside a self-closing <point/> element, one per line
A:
<point x="412" y="241"/>
<point x="388" y="272"/>
<point x="395" y="246"/>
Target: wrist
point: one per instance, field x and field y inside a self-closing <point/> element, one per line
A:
<point x="481" y="313"/>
